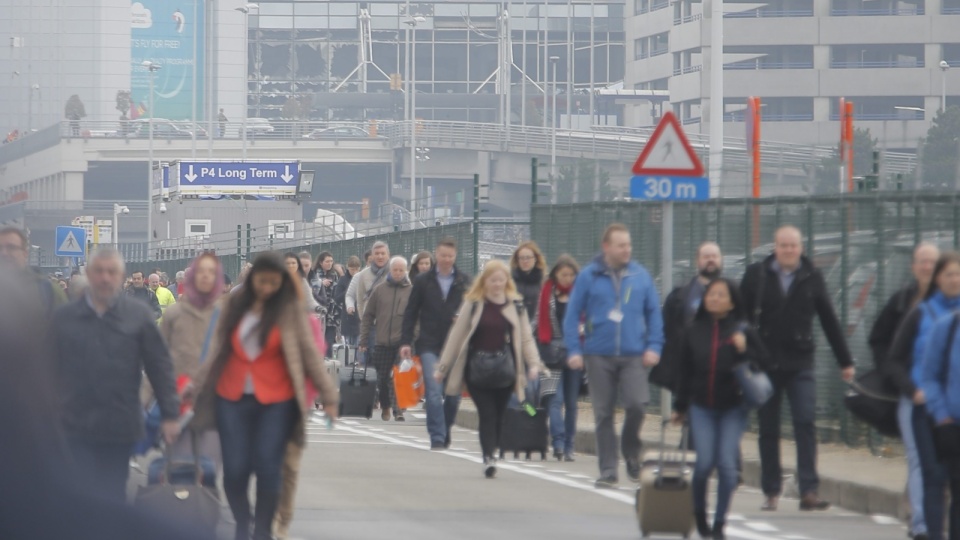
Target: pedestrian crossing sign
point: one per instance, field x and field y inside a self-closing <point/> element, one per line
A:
<point x="71" y="242"/>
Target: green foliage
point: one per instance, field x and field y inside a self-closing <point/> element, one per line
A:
<point x="941" y="150"/>
<point x="828" y="171"/>
<point x="74" y="109"/>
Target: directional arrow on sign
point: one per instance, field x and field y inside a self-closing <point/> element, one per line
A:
<point x="286" y="176"/>
<point x="190" y="176"/>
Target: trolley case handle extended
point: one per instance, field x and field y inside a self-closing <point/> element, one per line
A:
<point x="672" y="481"/>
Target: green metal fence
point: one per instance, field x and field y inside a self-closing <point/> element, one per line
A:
<point x="862" y="243"/>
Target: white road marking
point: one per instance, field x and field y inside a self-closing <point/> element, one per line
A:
<point x="760" y="526"/>
<point x="311" y="441"/>
<point x="881" y="519"/>
<point x="418" y="416"/>
<point x="796" y="537"/>
<point x="578" y="476"/>
<point x="556" y="471"/>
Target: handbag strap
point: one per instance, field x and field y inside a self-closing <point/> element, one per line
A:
<point x="206" y="339"/>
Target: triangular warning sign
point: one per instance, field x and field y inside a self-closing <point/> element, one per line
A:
<point x="668" y="152"/>
<point x="70" y="244"/>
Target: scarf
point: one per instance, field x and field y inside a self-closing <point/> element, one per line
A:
<point x="196" y="298"/>
<point x="545" y="312"/>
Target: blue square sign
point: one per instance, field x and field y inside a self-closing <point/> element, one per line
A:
<point x="71" y="242"/>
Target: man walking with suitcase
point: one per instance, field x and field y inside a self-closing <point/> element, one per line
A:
<point x="434" y="304"/>
<point x="781" y="295"/>
<point x="623" y="338"/>
<point x="384" y="311"/>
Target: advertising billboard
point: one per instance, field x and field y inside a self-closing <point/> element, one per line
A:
<point x="234" y="177"/>
<point x="168" y="33"/>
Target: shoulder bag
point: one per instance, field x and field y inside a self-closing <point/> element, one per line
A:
<point x="493" y="370"/>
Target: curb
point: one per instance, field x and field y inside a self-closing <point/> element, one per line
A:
<point x="844" y="494"/>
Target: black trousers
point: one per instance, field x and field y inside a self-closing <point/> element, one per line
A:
<point x="383" y="358"/>
<point x="491" y="406"/>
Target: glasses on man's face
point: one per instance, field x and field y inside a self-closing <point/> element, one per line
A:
<point x="10" y="248"/>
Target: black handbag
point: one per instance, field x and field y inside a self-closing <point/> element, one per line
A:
<point x="553" y="354"/>
<point x="870" y="399"/>
<point x="492" y="370"/>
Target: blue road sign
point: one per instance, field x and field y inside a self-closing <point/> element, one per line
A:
<point x="669" y="188"/>
<point x="244" y="177"/>
<point x="71" y="242"/>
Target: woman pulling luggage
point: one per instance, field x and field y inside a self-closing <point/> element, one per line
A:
<point x="491" y="349"/>
<point x="718" y="339"/>
<point x="252" y="386"/>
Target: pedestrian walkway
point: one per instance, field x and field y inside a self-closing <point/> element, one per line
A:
<point x="851" y="478"/>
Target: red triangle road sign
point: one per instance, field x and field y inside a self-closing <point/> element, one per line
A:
<point x="668" y="152"/>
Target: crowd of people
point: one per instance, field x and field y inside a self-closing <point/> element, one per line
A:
<point x="249" y="359"/>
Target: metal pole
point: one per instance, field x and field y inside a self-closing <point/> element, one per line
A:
<point x="593" y="51"/>
<point x="30" y="109"/>
<point x="193" y="83"/>
<point x="476" y="223"/>
<point x="546" y="55"/>
<point x="151" y="71"/>
<point x="533" y="180"/>
<point x="943" y="90"/>
<point x="414" y="194"/>
<point x="246" y="86"/>
<point x="208" y="43"/>
<point x="716" y="97"/>
<point x="553" y="132"/>
<point x="507" y="74"/>
<point x="523" y="80"/>
<point x="570" y="53"/>
<point x="666" y="278"/>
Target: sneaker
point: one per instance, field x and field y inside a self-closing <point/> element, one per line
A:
<point x="437" y="447"/>
<point x="385" y="415"/>
<point x="447" y="441"/>
<point x="568" y="457"/>
<point x="490" y="468"/>
<point x="606" y="482"/>
<point x="399" y="417"/>
<point x="633" y="469"/>
<point x="811" y="501"/>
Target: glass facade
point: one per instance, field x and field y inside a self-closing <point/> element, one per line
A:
<point x="307" y="48"/>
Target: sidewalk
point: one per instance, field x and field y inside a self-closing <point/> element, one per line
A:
<point x="851" y="478"/>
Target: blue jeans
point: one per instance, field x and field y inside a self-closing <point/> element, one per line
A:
<point x="441" y="410"/>
<point x="801" y="389"/>
<point x="934" y="474"/>
<point x="718" y="447"/>
<point x="918" y="525"/>
<point x="254" y="439"/>
<point x="563" y="427"/>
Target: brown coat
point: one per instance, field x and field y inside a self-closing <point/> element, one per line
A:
<point x="384" y="312"/>
<point x="302" y="359"/>
<point x="453" y="360"/>
<point x="184" y="328"/>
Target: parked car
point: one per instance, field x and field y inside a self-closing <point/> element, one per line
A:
<point x="339" y="132"/>
<point x="189" y="126"/>
<point x="258" y="126"/>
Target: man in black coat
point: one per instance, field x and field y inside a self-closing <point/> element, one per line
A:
<point x="679" y="309"/>
<point x="104" y="341"/>
<point x="139" y="290"/>
<point x="782" y="294"/>
<point x="434" y="303"/>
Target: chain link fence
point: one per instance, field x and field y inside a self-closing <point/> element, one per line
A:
<point x="863" y="244"/>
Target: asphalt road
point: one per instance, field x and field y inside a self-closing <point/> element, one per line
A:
<point x="368" y="479"/>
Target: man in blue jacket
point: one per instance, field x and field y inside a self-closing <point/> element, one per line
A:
<point x="617" y="301"/>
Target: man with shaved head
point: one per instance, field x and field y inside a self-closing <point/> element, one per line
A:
<point x="781" y="295"/>
<point x="679" y="309"/>
<point x="139" y="290"/>
<point x="164" y="296"/>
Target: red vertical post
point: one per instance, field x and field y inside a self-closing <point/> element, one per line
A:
<point x="848" y="137"/>
<point x="753" y="140"/>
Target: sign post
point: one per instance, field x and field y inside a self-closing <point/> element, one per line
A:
<point x="234" y="178"/>
<point x="668" y="170"/>
<point x="70" y="242"/>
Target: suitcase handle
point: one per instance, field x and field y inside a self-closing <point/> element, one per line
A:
<point x="194" y="448"/>
<point x="684" y="440"/>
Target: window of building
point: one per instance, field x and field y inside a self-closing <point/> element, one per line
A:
<point x="875" y="108"/>
<point x="950" y="7"/>
<point x="876" y="56"/>
<point x="778" y="109"/>
<point x="772" y="8"/>
<point x="641" y="6"/>
<point x="768" y="57"/>
<point x="660" y="44"/>
<point x="640" y="50"/>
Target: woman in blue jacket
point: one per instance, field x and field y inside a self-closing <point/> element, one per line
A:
<point x="905" y="367"/>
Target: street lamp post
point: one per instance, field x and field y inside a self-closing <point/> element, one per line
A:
<point x="944" y="67"/>
<point x="423" y="156"/>
<point x="553" y="129"/>
<point x="412" y="23"/>
<point x="33" y="88"/>
<point x="246" y="72"/>
<point x="152" y="68"/>
<point x="115" y="230"/>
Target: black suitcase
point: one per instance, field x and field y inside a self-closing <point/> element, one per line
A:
<point x="524" y="433"/>
<point x="358" y="390"/>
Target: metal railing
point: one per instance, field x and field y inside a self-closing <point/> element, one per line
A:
<point x="873" y="116"/>
<point x="876" y="12"/>
<point x="659" y="52"/>
<point x="657" y="5"/>
<point x="765" y="13"/>
<point x="770" y="117"/>
<point x="759" y="64"/>
<point x="677" y="21"/>
<point x="860" y="64"/>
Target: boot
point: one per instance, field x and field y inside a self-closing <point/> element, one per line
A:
<point x="702" y="527"/>
<point x="718" y="531"/>
<point x="263" y="516"/>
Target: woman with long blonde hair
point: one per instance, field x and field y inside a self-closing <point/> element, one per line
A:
<point x="490" y="349"/>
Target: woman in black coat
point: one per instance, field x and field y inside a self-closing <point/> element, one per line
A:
<point x="528" y="266"/>
<point x="709" y="396"/>
<point x="349" y="324"/>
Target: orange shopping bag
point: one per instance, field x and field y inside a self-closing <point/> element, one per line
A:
<point x="408" y="382"/>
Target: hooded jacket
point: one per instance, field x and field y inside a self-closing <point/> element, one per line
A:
<point x="903" y="366"/>
<point x="786" y="320"/>
<point x="596" y="298"/>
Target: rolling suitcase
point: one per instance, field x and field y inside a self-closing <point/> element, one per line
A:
<point x="522" y="432"/>
<point x="664" y="500"/>
<point x="358" y="389"/>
